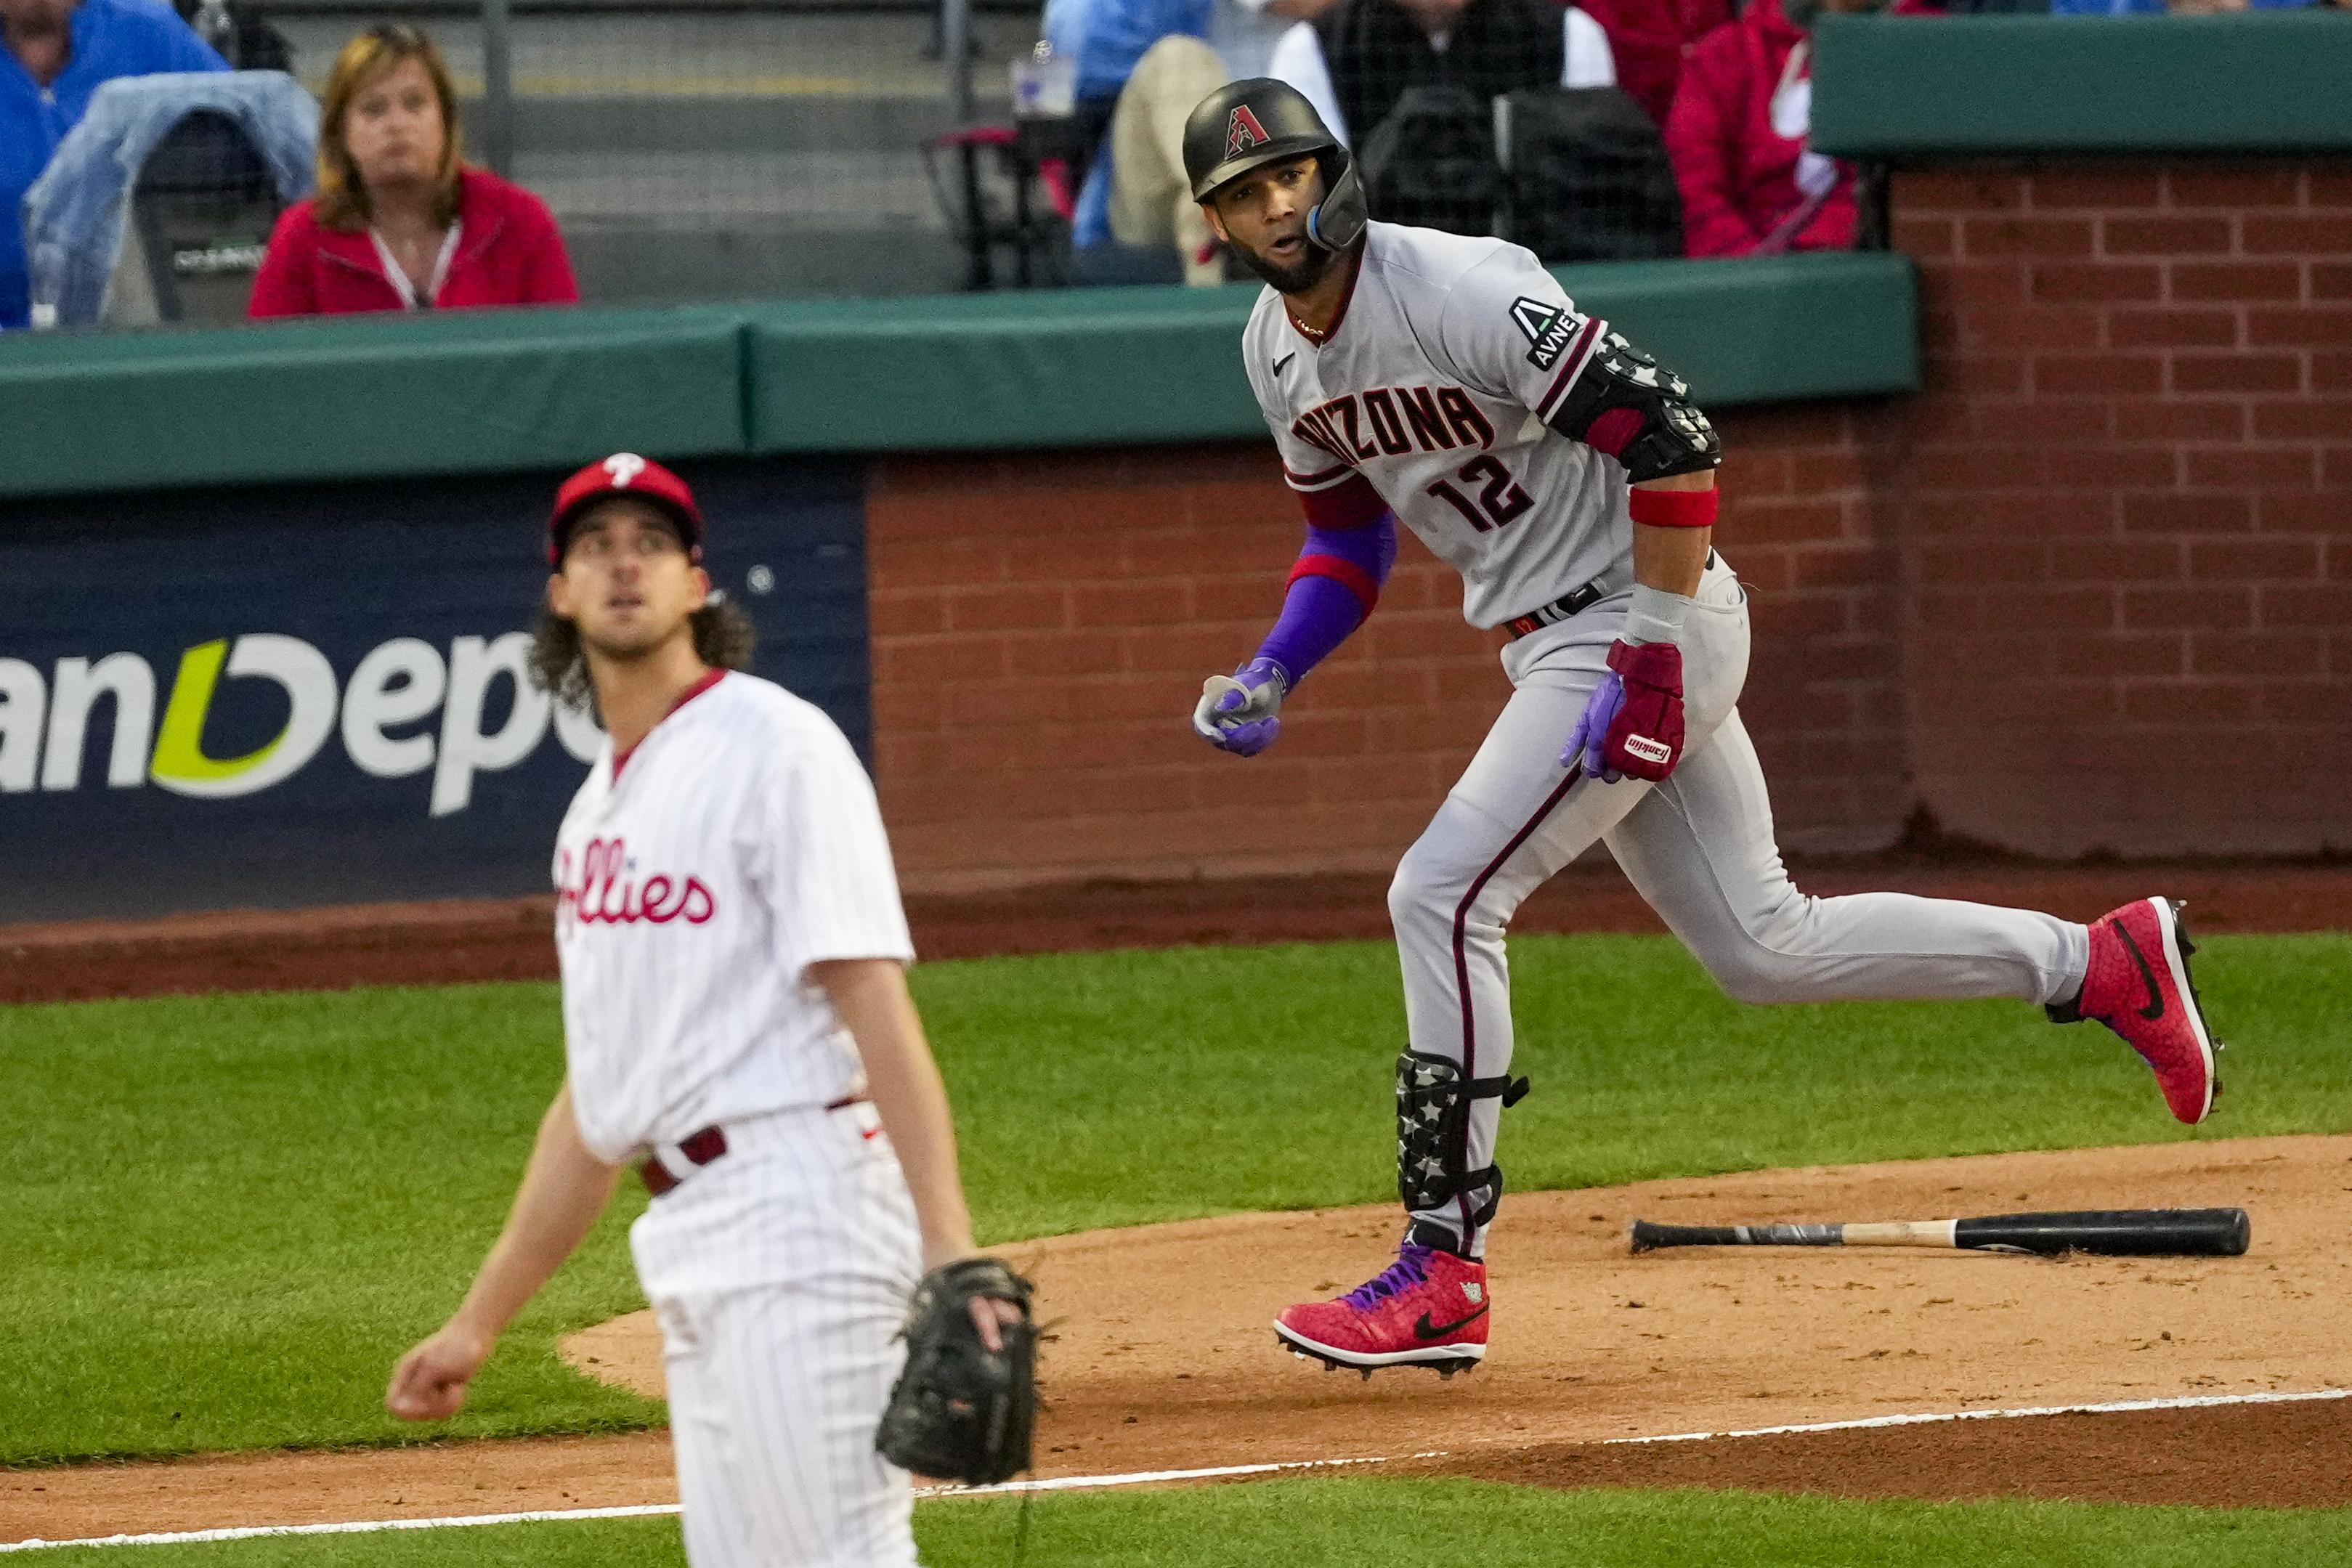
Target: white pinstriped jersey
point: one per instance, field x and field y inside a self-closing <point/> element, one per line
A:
<point x="741" y="843"/>
<point x="1434" y="386"/>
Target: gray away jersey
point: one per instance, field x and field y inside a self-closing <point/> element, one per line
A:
<point x="1434" y="388"/>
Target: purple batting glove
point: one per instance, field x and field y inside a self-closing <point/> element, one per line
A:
<point x="1240" y="713"/>
<point x="1585" y="742"/>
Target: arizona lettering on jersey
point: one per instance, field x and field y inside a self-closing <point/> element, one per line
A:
<point x="740" y="844"/>
<point x="1428" y="397"/>
<point x="1391" y="420"/>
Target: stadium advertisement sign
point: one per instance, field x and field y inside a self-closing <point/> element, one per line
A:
<point x="296" y="697"/>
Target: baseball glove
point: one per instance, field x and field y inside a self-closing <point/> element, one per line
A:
<point x="962" y="1411"/>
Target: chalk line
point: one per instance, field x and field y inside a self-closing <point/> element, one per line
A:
<point x="1219" y="1472"/>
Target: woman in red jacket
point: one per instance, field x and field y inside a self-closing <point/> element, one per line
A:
<point x="1742" y="111"/>
<point x="399" y="222"/>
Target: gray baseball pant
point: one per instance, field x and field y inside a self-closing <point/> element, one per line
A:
<point x="1699" y="847"/>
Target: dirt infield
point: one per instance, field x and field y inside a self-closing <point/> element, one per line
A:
<point x="1163" y="1359"/>
<point x="507" y="939"/>
<point x="1592" y="1346"/>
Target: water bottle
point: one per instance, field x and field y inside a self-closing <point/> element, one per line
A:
<point x="1045" y="84"/>
<point x="215" y="27"/>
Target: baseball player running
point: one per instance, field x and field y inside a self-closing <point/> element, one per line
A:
<point x="733" y="953"/>
<point x="1447" y="383"/>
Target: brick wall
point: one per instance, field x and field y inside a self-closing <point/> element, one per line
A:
<point x="2126" y="525"/>
<point x="2092" y="590"/>
<point x="1042" y="626"/>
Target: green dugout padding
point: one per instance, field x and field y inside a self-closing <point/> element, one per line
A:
<point x="363" y="397"/>
<point x="1116" y="367"/>
<point x="1900" y="87"/>
<point x="510" y="392"/>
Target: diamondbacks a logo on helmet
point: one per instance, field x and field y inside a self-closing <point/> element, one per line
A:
<point x="1243" y="132"/>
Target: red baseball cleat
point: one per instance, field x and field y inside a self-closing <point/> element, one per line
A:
<point x="2138" y="985"/>
<point x="1427" y="1309"/>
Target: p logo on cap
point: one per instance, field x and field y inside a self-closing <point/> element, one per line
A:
<point x="644" y="479"/>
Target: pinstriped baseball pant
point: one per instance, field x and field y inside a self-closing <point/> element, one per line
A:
<point x="1699" y="848"/>
<point x="777" y="1383"/>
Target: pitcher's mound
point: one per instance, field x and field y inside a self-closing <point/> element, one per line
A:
<point x="1164" y="1357"/>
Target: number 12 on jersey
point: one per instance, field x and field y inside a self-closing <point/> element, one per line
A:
<point x="1500" y="498"/>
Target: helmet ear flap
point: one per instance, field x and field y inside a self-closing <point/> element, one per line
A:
<point x="1338" y="221"/>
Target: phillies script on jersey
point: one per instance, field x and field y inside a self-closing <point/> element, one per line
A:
<point x="698" y="878"/>
<point x="608" y="890"/>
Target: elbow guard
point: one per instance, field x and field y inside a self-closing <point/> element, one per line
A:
<point x="1625" y="404"/>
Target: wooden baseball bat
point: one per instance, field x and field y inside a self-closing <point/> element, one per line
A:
<point x="2114" y="1232"/>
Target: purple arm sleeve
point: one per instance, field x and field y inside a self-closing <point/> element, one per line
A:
<point x="1331" y="590"/>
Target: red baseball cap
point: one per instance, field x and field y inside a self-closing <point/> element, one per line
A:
<point x="625" y="473"/>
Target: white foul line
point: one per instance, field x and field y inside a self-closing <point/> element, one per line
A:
<point x="354" y="1527"/>
<point x="1146" y="1478"/>
<point x="644" y="1511"/>
<point x="2110" y="1407"/>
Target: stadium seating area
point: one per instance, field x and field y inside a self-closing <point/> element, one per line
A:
<point x="658" y="156"/>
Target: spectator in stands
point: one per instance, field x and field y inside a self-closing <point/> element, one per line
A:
<point x="58" y="52"/>
<point x="1737" y="134"/>
<point x="1652" y="39"/>
<point x="1155" y="59"/>
<point x="400" y="222"/>
<point x="1356" y="64"/>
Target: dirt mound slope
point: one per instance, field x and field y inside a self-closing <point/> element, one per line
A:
<point x="1164" y="1357"/>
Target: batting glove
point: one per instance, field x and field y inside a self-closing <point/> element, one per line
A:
<point x="1240" y="713"/>
<point x="1632" y="724"/>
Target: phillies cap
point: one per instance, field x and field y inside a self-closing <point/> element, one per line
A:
<point x="624" y="474"/>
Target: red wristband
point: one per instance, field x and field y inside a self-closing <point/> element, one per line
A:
<point x="1674" y="508"/>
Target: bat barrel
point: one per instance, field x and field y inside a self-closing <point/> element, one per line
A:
<point x="2115" y="1232"/>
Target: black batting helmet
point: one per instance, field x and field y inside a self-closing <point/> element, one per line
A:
<point x="1246" y="125"/>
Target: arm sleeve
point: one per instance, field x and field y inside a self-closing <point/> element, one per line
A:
<point x="1331" y="591"/>
<point x="1508" y="329"/>
<point x="835" y="890"/>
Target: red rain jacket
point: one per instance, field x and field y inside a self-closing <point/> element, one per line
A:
<point x="1738" y="175"/>
<point x="509" y="253"/>
<point x="1652" y="39"/>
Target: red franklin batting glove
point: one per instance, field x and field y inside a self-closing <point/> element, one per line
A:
<point x="1644" y="741"/>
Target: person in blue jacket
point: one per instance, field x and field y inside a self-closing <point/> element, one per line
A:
<point x="58" y="52"/>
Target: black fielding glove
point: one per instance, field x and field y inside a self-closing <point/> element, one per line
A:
<point x="960" y="1411"/>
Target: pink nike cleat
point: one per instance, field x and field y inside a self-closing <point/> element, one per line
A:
<point x="1427" y="1309"/>
<point x="2138" y="985"/>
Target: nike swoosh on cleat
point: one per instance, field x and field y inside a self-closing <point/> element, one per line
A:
<point x="1283" y="363"/>
<point x="1426" y="1329"/>
<point x="2155" y="1008"/>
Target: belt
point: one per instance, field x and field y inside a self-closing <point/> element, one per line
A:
<point x="703" y="1146"/>
<point x="1557" y="611"/>
<point x="1566" y="605"/>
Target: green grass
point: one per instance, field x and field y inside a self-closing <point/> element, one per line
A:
<point x="1327" y="1524"/>
<point x="228" y="1214"/>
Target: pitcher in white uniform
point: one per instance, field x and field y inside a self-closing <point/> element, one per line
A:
<point x="737" y="1020"/>
<point x="1447" y="383"/>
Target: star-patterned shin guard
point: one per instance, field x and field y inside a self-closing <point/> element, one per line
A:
<point x="1433" y="1142"/>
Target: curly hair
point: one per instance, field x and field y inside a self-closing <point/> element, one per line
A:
<point x="724" y="639"/>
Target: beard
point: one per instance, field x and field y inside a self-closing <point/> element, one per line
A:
<point x="1297" y="278"/>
